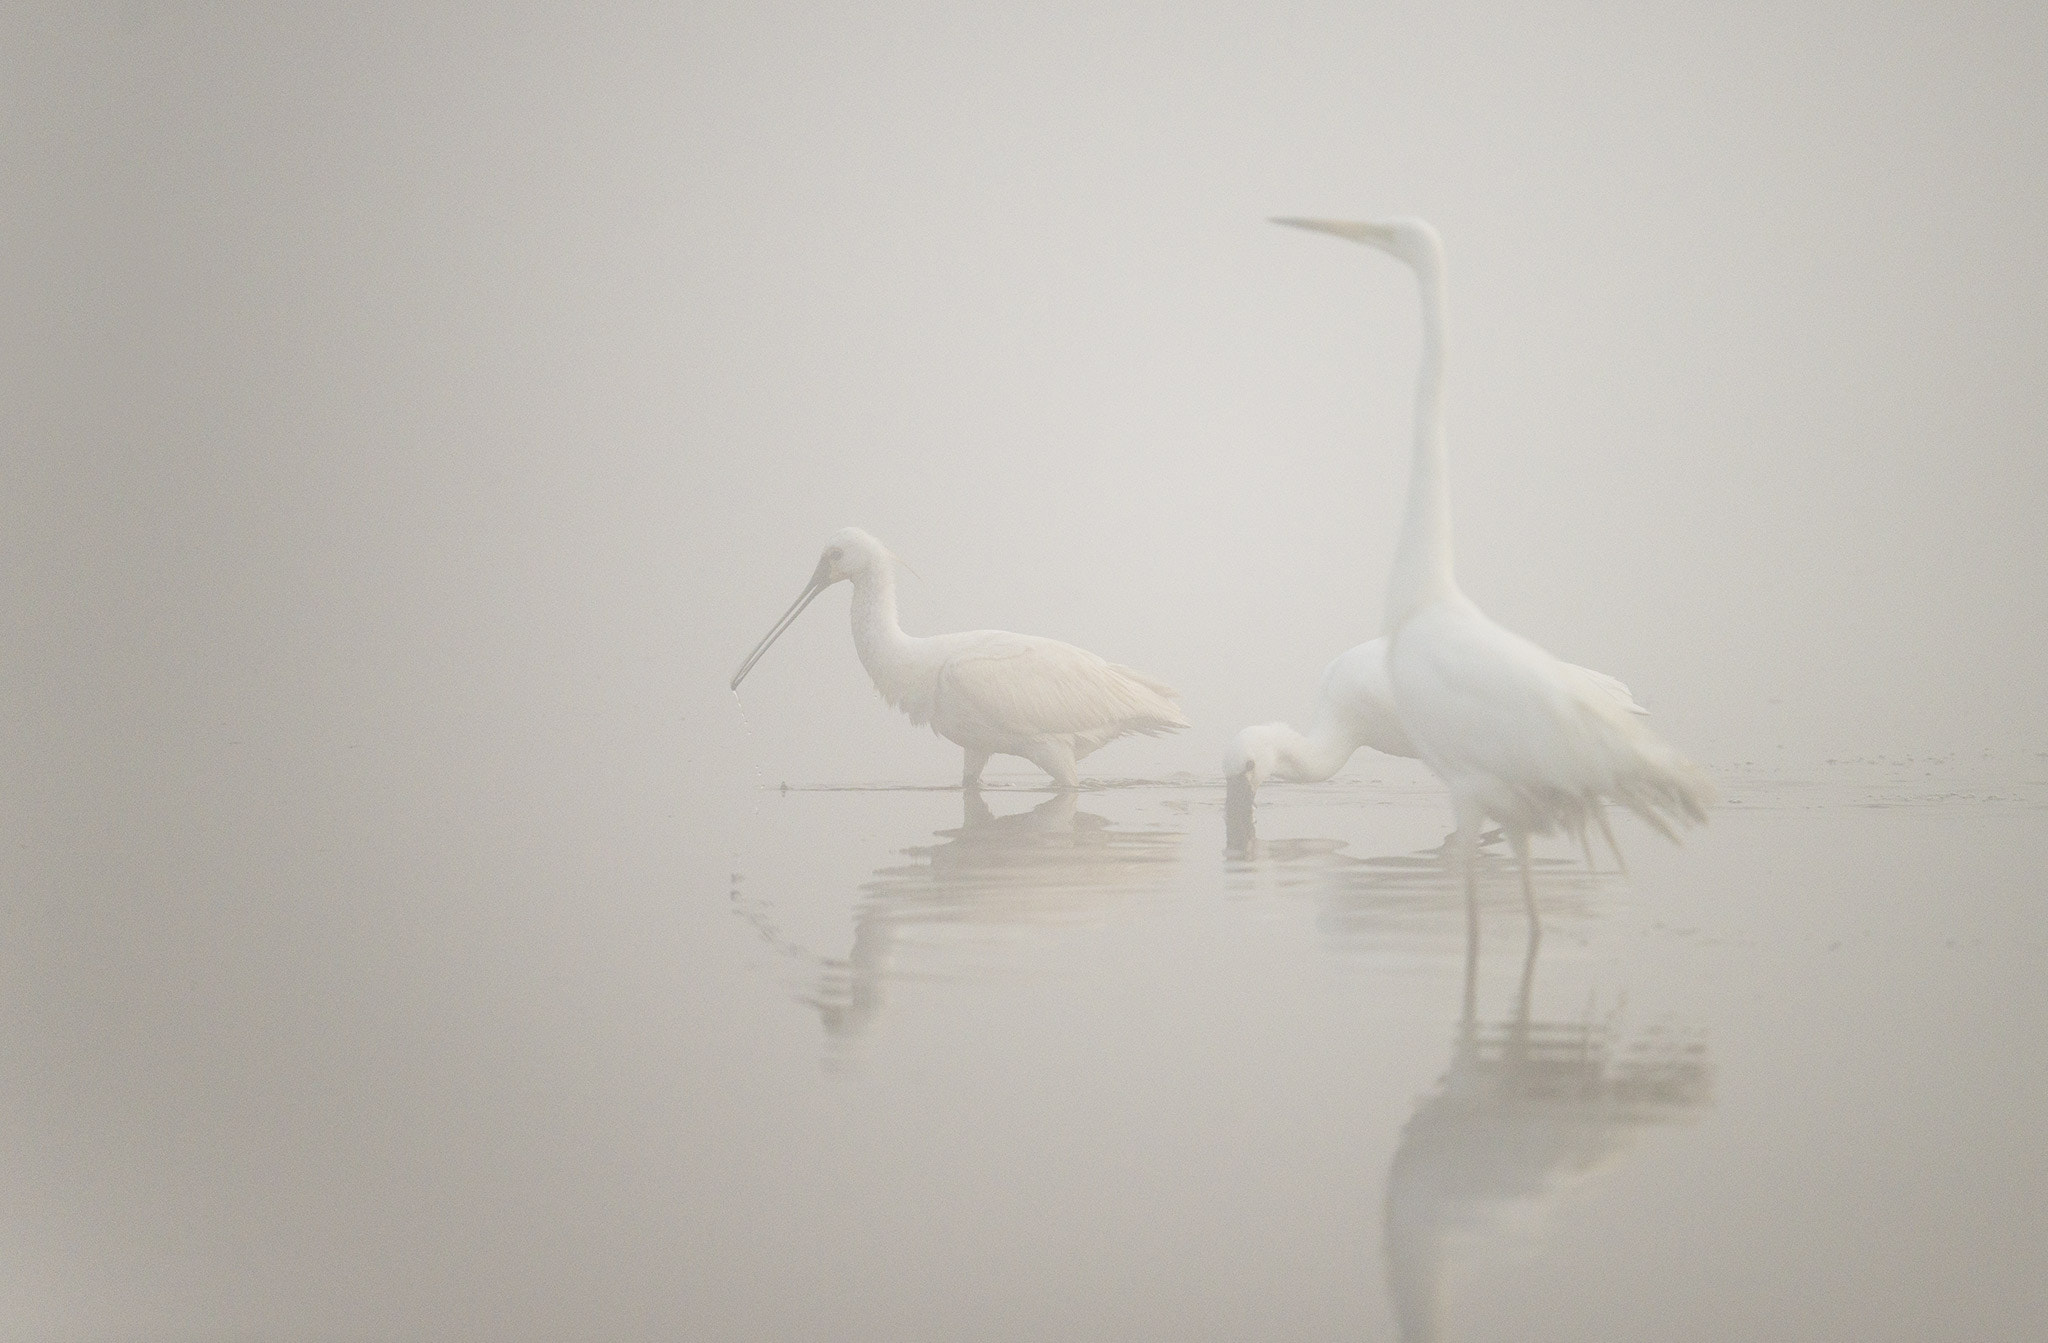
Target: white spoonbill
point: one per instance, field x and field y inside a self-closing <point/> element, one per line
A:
<point x="988" y="691"/>
<point x="1536" y="744"/>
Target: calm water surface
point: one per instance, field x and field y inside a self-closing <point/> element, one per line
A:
<point x="894" y="1063"/>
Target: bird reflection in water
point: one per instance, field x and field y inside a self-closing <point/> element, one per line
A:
<point x="940" y="914"/>
<point x="1369" y="902"/>
<point x="1526" y="1108"/>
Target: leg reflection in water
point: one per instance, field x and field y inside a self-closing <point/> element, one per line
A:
<point x="1525" y="1109"/>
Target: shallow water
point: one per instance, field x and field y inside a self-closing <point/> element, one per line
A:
<point x="895" y="1063"/>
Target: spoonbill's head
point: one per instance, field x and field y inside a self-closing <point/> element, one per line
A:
<point x="1253" y="757"/>
<point x="848" y="554"/>
<point x="1404" y="238"/>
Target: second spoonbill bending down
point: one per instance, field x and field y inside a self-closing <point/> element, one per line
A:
<point x="1354" y="708"/>
<point x="1515" y="734"/>
<point x="988" y="691"/>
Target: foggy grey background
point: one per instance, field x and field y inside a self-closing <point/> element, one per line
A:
<point x="410" y="417"/>
<point x="400" y="367"/>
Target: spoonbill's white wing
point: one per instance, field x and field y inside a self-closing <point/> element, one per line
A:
<point x="999" y="687"/>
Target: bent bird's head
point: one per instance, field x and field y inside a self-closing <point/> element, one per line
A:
<point x="849" y="554"/>
<point x="1404" y="238"/>
<point x="1253" y="757"/>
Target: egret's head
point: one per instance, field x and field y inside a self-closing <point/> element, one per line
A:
<point x="1405" y="238"/>
<point x="1253" y="757"/>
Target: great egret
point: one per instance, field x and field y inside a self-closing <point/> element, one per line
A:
<point x="1536" y="744"/>
<point x="988" y="691"/>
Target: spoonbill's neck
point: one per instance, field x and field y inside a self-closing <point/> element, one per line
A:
<point x="1317" y="754"/>
<point x="885" y="650"/>
<point x="1422" y="563"/>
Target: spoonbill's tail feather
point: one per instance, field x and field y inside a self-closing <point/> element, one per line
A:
<point x="1172" y="718"/>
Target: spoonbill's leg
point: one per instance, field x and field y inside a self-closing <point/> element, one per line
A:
<point x="971" y="767"/>
<point x="1607" y="832"/>
<point x="1586" y="848"/>
<point x="1520" y="841"/>
<point x="1056" y="758"/>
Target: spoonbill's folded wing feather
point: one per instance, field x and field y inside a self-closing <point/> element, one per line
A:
<point x="1012" y="687"/>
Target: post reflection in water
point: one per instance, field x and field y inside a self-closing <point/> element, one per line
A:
<point x="1052" y="864"/>
<point x="1526" y="1106"/>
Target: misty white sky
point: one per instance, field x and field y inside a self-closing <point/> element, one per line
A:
<point x="443" y="370"/>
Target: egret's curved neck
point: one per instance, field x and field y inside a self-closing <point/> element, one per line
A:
<point x="1422" y="563"/>
<point x="877" y="637"/>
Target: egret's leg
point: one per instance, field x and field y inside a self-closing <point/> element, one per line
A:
<point x="971" y="767"/>
<point x="1056" y="758"/>
<point x="1521" y="845"/>
<point x="1470" y="819"/>
<point x="1607" y="833"/>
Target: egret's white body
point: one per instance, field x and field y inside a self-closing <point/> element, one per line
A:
<point x="988" y="691"/>
<point x="1536" y="744"/>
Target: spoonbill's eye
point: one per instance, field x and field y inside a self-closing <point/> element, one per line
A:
<point x="834" y="555"/>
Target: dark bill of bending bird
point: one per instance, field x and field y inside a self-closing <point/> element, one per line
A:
<point x="1518" y="736"/>
<point x="989" y="692"/>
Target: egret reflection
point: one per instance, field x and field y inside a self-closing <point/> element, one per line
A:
<point x="951" y="908"/>
<point x="1526" y="1108"/>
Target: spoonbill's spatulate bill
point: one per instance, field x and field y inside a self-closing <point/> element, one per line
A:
<point x="988" y="691"/>
<point x="1536" y="744"/>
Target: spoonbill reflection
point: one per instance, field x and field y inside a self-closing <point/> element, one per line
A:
<point x="957" y="906"/>
<point x="1536" y="744"/>
<point x="988" y="691"/>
